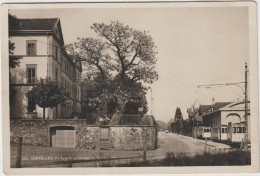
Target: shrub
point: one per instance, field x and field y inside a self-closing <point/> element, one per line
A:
<point x="206" y="159"/>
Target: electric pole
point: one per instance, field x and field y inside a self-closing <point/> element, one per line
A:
<point x="246" y="107"/>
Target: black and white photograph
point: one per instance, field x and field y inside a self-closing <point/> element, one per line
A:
<point x="142" y="86"/>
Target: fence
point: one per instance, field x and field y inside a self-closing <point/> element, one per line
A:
<point x="118" y="119"/>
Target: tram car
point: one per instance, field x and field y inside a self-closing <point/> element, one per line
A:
<point x="204" y="132"/>
<point x="219" y="133"/>
<point x="235" y="132"/>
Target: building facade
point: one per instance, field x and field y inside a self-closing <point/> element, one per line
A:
<point x="233" y="112"/>
<point x="39" y="42"/>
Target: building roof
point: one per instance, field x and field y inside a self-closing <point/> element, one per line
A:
<point x="32" y="24"/>
<point x="219" y="105"/>
<point x="209" y="108"/>
<point x="204" y="108"/>
<point x="236" y="106"/>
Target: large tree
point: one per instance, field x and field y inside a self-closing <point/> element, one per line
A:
<point x="47" y="94"/>
<point x="120" y="60"/>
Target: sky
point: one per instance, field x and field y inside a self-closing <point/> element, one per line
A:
<point x="196" y="46"/>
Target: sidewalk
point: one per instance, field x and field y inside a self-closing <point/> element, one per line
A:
<point x="209" y="142"/>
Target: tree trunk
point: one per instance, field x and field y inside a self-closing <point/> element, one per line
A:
<point x="43" y="113"/>
<point x="119" y="111"/>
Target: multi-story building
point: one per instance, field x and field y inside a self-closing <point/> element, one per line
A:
<point x="39" y="42"/>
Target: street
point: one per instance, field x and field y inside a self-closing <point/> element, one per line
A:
<point x="170" y="142"/>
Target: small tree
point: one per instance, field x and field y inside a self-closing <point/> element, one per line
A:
<point x="178" y="119"/>
<point x="14" y="61"/>
<point x="47" y="94"/>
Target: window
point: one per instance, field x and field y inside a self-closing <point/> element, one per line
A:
<point x="31" y="47"/>
<point x="206" y="130"/>
<point x="224" y="130"/>
<point x="239" y="130"/>
<point x="31" y="74"/>
<point x="234" y="130"/>
<point x="31" y="106"/>
<point x="104" y="134"/>
<point x="56" y="52"/>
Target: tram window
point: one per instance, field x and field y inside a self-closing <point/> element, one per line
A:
<point x="239" y="129"/>
<point x="234" y="130"/>
<point x="207" y="130"/>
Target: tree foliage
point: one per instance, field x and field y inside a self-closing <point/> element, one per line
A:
<point x="119" y="61"/>
<point x="161" y="125"/>
<point x="177" y="125"/>
<point x="47" y="94"/>
<point x="14" y="61"/>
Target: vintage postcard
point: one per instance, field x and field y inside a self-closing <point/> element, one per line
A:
<point x="130" y="88"/>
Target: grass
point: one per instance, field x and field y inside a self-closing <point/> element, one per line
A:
<point x="233" y="158"/>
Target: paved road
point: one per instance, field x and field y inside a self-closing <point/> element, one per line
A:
<point x="170" y="142"/>
<point x="167" y="142"/>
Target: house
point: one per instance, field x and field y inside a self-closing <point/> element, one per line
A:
<point x="40" y="44"/>
<point x="232" y="112"/>
<point x="205" y="109"/>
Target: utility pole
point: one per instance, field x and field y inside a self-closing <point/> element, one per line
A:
<point x="246" y="108"/>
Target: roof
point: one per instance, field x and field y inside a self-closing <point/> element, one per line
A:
<point x="216" y="108"/>
<point x="219" y="105"/>
<point x="236" y="106"/>
<point x="33" y="24"/>
<point x="204" y="108"/>
<point x="209" y="108"/>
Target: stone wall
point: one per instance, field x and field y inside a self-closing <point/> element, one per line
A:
<point x="37" y="132"/>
